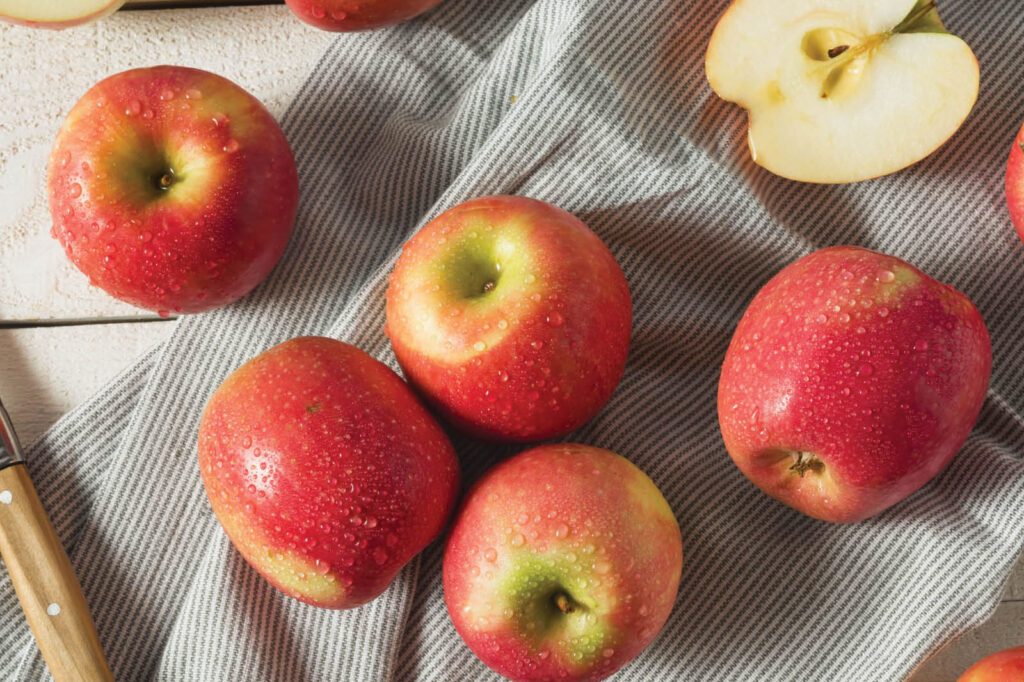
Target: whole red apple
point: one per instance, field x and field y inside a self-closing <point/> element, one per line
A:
<point x="1015" y="183"/>
<point x="1004" y="666"/>
<point x="172" y="188"/>
<point x="324" y="470"/>
<point x="511" y="316"/>
<point x="358" y="15"/>
<point x="852" y="379"/>
<point x="563" y="564"/>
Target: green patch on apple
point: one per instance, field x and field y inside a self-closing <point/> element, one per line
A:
<point x="552" y="600"/>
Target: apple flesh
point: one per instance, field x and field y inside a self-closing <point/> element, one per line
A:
<point x="841" y="91"/>
<point x="852" y="379"/>
<point x="1004" y="666"/>
<point x="56" y="14"/>
<point x="511" y="317"/>
<point x="1015" y="183"/>
<point x="563" y="564"/>
<point x="324" y="470"/>
<point x="172" y="189"/>
<point x="358" y="15"/>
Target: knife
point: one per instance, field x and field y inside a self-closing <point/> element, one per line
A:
<point x="42" y="575"/>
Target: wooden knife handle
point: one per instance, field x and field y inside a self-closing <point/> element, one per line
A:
<point x="46" y="584"/>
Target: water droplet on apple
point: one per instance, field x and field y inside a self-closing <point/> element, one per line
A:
<point x="844" y="317"/>
<point x="883" y="312"/>
<point x="318" y="12"/>
<point x="193" y="93"/>
<point x="231" y="146"/>
<point x="133" y="108"/>
<point x="502" y="324"/>
<point x="518" y="540"/>
<point x="555" y="319"/>
<point x="147" y="113"/>
<point x="491" y="554"/>
<point x="65" y="158"/>
<point x="370" y="522"/>
<point x="379" y="556"/>
<point x="247" y="442"/>
<point x="886" y="276"/>
<point x="75" y="190"/>
<point x="561" y="531"/>
<point x="479" y="346"/>
<point x="339" y="15"/>
<point x="921" y="345"/>
<point x="167" y="95"/>
<point x="822" y="318"/>
<point x="865" y="370"/>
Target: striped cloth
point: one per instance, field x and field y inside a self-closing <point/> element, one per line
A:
<point x="601" y="107"/>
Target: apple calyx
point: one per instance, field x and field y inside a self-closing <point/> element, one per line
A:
<point x="804" y="462"/>
<point x="164" y="180"/>
<point x="844" y="54"/>
<point x="564" y="602"/>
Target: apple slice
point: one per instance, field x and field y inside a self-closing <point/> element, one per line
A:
<point x="56" y="14"/>
<point x="842" y="90"/>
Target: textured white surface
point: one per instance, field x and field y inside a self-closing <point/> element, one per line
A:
<point x="264" y="49"/>
<point x="47" y="371"/>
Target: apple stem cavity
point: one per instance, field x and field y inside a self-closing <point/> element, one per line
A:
<point x="804" y="462"/>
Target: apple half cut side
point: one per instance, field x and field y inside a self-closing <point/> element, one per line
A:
<point x="842" y="90"/>
<point x="56" y="14"/>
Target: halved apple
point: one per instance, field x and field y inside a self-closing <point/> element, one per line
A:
<point x="56" y="13"/>
<point x="842" y="90"/>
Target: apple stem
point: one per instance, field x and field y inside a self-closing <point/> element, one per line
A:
<point x="564" y="604"/>
<point x="914" y="16"/>
<point x="805" y="462"/>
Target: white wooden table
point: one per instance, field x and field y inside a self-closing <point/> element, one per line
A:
<point x="61" y="340"/>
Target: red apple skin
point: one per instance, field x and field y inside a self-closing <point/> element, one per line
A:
<point x="109" y="9"/>
<point x="1015" y="183"/>
<point x="546" y="519"/>
<point x="215" y="232"/>
<point x="540" y="354"/>
<point x="862" y="360"/>
<point x="358" y="15"/>
<point x="325" y="471"/>
<point x="1004" y="666"/>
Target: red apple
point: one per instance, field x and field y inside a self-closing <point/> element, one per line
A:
<point x="852" y="379"/>
<point x="324" y="470"/>
<point x="56" y="14"/>
<point x="172" y="188"/>
<point x="358" y="15"/>
<point x="512" y="317"/>
<point x="1015" y="183"/>
<point x="1005" y="666"/>
<point x="563" y="564"/>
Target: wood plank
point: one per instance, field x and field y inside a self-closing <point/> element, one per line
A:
<point x="1004" y="630"/>
<point x="47" y="371"/>
<point x="262" y="48"/>
<point x="162" y="4"/>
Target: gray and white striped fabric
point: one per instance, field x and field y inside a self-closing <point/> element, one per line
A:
<point x="601" y="107"/>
